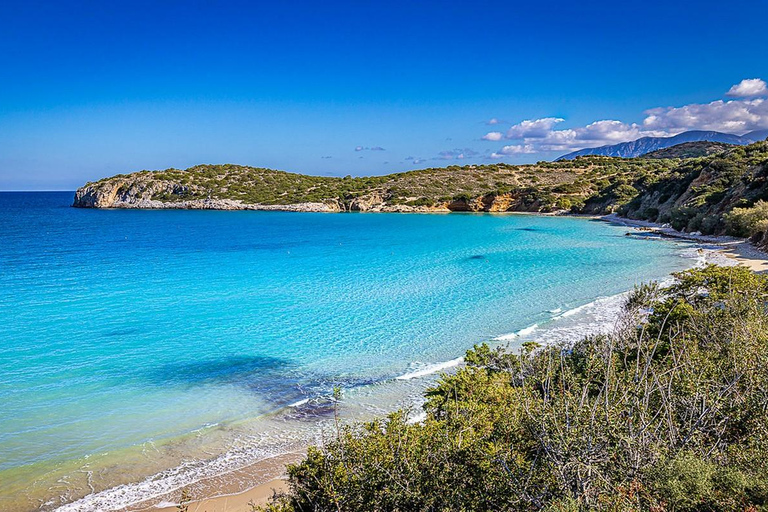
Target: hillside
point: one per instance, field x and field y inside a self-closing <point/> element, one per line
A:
<point x="690" y="150"/>
<point x="645" y="145"/>
<point x="544" y="187"/>
<point x="701" y="194"/>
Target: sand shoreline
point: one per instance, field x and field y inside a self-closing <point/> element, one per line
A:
<point x="237" y="502"/>
<point x="735" y="248"/>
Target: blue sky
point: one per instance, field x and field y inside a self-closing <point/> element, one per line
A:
<point x="90" y="89"/>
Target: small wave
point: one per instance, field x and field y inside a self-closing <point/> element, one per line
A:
<point x="579" y="309"/>
<point x="430" y="369"/>
<point x="299" y="403"/>
<point x="201" y="429"/>
<point x="522" y="332"/>
<point x="556" y="311"/>
<point x="171" y="480"/>
<point x="527" y="330"/>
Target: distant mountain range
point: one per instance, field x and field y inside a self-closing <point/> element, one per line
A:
<point x="645" y="145"/>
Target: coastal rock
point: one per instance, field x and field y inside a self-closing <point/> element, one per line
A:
<point x="372" y="202"/>
<point x="140" y="194"/>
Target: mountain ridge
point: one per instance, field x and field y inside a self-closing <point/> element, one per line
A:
<point x="644" y="145"/>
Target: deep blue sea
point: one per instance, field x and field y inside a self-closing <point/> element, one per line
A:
<point x="126" y="329"/>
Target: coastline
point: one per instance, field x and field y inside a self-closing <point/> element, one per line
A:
<point x="237" y="502"/>
<point x="223" y="494"/>
<point x="738" y="249"/>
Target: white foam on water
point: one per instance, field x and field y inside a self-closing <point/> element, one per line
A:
<point x="577" y="309"/>
<point x="596" y="317"/>
<point x="517" y="334"/>
<point x="430" y="369"/>
<point x="299" y="403"/>
<point x="172" y="480"/>
<point x="527" y="330"/>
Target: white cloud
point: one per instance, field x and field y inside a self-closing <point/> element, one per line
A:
<point x="733" y="116"/>
<point x="494" y="136"/>
<point x="533" y="129"/>
<point x="539" y="135"/>
<point x="515" y="149"/>
<point x="748" y="88"/>
<point x="730" y="116"/>
<point x="492" y="121"/>
<point x="456" y="154"/>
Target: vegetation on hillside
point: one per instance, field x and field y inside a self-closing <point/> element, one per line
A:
<point x="666" y="414"/>
<point x="700" y="194"/>
<point x="690" y="150"/>
<point x="545" y="186"/>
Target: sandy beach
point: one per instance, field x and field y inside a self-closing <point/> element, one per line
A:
<point x="240" y="502"/>
<point x="229" y="492"/>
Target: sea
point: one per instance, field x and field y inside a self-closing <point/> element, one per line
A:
<point x="143" y="352"/>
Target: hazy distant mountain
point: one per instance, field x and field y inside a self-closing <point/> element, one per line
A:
<point x="756" y="136"/>
<point x="645" y="145"/>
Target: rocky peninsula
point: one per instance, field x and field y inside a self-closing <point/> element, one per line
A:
<point x="723" y="193"/>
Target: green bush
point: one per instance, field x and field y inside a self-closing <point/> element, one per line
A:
<point x="745" y="222"/>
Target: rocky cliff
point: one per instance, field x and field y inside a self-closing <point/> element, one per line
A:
<point x="129" y="194"/>
<point x="543" y="187"/>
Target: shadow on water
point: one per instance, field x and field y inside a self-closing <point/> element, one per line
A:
<point x="244" y="370"/>
<point x="275" y="380"/>
<point x="310" y="411"/>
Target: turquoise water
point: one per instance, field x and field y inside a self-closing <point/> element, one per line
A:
<point x="122" y="327"/>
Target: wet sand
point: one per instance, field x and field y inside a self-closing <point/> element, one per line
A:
<point x="240" y="502"/>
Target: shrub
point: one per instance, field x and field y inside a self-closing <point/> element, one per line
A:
<point x="745" y="222"/>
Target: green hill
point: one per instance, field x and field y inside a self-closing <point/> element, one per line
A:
<point x="544" y="187"/>
<point x="701" y="194"/>
<point x="690" y="150"/>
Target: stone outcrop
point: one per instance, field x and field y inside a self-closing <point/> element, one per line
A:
<point x="130" y="194"/>
<point x="133" y="194"/>
<point x="141" y="194"/>
<point x="232" y="187"/>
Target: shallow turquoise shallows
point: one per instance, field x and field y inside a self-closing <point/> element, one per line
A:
<point x="119" y="326"/>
